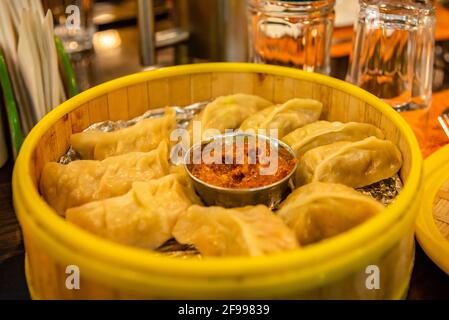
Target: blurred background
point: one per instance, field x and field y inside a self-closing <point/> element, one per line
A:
<point x="185" y="31"/>
<point x="189" y="31"/>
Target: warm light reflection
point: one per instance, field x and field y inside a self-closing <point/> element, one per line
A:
<point x="104" y="18"/>
<point x="73" y="45"/>
<point x="106" y="40"/>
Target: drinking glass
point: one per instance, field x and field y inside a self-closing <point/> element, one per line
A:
<point x="292" y="33"/>
<point x="393" y="52"/>
<point x="392" y="58"/>
<point x="74" y="23"/>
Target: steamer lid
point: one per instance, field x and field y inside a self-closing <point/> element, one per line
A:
<point x="432" y="225"/>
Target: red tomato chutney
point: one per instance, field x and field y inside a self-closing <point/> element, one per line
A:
<point x="242" y="165"/>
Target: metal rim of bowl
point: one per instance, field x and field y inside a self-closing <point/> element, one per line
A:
<point x="240" y="190"/>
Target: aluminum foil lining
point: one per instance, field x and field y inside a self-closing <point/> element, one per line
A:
<point x="174" y="249"/>
<point x="384" y="191"/>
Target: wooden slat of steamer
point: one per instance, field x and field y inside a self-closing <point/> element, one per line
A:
<point x="64" y="130"/>
<point x="39" y="158"/>
<point x="222" y="84"/>
<point x="335" y="110"/>
<point x="80" y="118"/>
<point x="441" y="210"/>
<point x="443" y="226"/>
<point x="99" y="109"/>
<point x="324" y="95"/>
<point x="263" y="86"/>
<point x="138" y="101"/>
<point x="201" y="87"/>
<point x="354" y="110"/>
<point x="179" y="93"/>
<point x="303" y="89"/>
<point x="37" y="166"/>
<point x="45" y="152"/>
<point x="118" y="105"/>
<point x="284" y="89"/>
<point x="373" y="116"/>
<point x="158" y="92"/>
<point x="309" y="90"/>
<point x="243" y="83"/>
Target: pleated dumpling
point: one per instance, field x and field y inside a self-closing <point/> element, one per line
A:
<point x="355" y="164"/>
<point x="228" y="112"/>
<point x="319" y="211"/>
<point x="321" y="133"/>
<point x="83" y="181"/>
<point x="144" y="136"/>
<point x="293" y="114"/>
<point x="144" y="217"/>
<point x="246" y="231"/>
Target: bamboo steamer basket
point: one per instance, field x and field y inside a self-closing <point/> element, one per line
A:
<point x="333" y="269"/>
<point x="432" y="224"/>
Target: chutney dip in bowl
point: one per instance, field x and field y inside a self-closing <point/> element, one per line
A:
<point x="240" y="169"/>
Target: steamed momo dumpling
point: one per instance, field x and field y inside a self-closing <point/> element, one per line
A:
<point x="229" y="112"/>
<point x="246" y="231"/>
<point x="319" y="211"/>
<point x="293" y="114"/>
<point x="355" y="164"/>
<point x="142" y="137"/>
<point x="83" y="181"/>
<point x="144" y="217"/>
<point x="321" y="133"/>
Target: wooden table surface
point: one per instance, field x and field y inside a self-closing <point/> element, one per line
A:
<point x="428" y="281"/>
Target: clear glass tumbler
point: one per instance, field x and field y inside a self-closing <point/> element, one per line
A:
<point x="74" y="23"/>
<point x="292" y="33"/>
<point x="393" y="52"/>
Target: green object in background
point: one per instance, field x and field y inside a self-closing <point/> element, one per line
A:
<point x="11" y="107"/>
<point x="17" y="135"/>
<point x="67" y="68"/>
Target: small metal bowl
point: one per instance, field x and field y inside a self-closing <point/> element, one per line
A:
<point x="270" y="195"/>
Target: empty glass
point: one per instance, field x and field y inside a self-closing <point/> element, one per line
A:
<point x="73" y="23"/>
<point x="292" y="33"/>
<point x="393" y="52"/>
